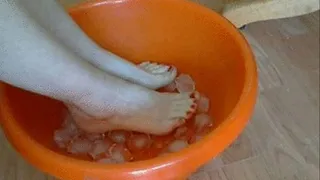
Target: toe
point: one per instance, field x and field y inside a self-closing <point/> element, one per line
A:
<point x="160" y="69"/>
<point x="180" y="96"/>
<point x="154" y="66"/>
<point x="196" y="95"/>
<point x="177" y="113"/>
<point x="143" y="64"/>
<point x="161" y="75"/>
<point x="168" y="76"/>
<point x="172" y="73"/>
<point x="178" y="122"/>
<point x="150" y="66"/>
<point x="147" y="66"/>
<point x="184" y="103"/>
<point x="183" y="108"/>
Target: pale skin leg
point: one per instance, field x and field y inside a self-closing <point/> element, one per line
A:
<point x="31" y="58"/>
<point x="54" y="18"/>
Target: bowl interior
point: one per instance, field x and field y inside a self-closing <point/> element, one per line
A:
<point x="147" y="30"/>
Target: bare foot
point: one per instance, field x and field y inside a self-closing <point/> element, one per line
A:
<point x="152" y="112"/>
<point x="147" y="74"/>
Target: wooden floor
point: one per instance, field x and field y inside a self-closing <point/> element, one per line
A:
<point x="282" y="140"/>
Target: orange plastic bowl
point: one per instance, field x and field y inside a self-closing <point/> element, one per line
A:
<point x="193" y="38"/>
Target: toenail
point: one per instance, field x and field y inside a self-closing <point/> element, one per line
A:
<point x="189" y="115"/>
<point x="182" y="121"/>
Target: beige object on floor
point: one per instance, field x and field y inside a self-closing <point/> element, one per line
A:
<point x="281" y="142"/>
<point x="242" y="12"/>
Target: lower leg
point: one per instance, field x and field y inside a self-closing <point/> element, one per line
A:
<point x="54" y="18"/>
<point x="32" y="59"/>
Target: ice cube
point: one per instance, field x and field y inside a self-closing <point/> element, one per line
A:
<point x="177" y="145"/>
<point x="185" y="84"/>
<point x="62" y="137"/>
<point x="99" y="148"/>
<point x="203" y="104"/>
<point x="181" y="132"/>
<point x="138" y="142"/>
<point x="119" y="136"/>
<point x="80" y="146"/>
<point x="170" y="87"/>
<point x="202" y="121"/>
<point x="119" y="153"/>
<point x="94" y="136"/>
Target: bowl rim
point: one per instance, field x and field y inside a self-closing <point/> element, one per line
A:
<point x="249" y="92"/>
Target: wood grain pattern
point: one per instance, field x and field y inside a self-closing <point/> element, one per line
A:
<point x="282" y="140"/>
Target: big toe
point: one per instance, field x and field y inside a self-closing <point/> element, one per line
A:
<point x="183" y="106"/>
<point x="162" y="74"/>
<point x="167" y="77"/>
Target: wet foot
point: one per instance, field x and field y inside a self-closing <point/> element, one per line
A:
<point x="143" y="110"/>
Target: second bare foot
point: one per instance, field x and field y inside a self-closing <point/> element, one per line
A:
<point x="146" y="111"/>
